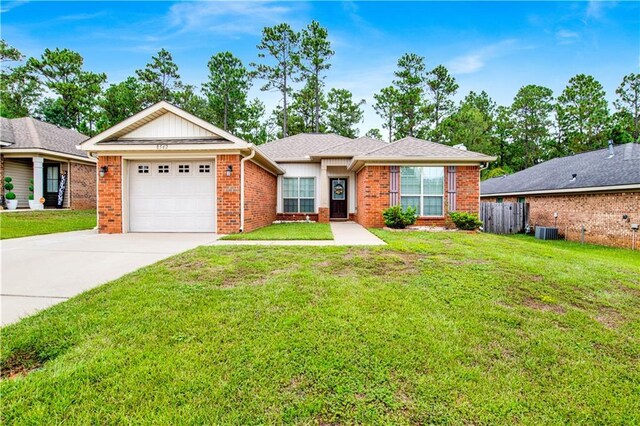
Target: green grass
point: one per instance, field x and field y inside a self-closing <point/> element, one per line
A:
<point x="25" y="224"/>
<point x="444" y="328"/>
<point x="287" y="231"/>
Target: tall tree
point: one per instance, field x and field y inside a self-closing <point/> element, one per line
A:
<point x="119" y="102"/>
<point x="441" y="88"/>
<point x="303" y="112"/>
<point x="78" y="90"/>
<point x="387" y="106"/>
<point x="187" y="99"/>
<point x="629" y="102"/>
<point x="227" y="89"/>
<point x="19" y="89"/>
<point x="531" y="111"/>
<point x="160" y="78"/>
<point x="343" y="114"/>
<point x="503" y="132"/>
<point x="281" y="44"/>
<point x="472" y="124"/>
<point x="410" y="82"/>
<point x="252" y="128"/>
<point x="315" y="52"/>
<point x="374" y="134"/>
<point x="582" y="114"/>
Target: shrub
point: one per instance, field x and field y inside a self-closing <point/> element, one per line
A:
<point x="395" y="217"/>
<point x="466" y="221"/>
<point x="9" y="186"/>
<point x="31" y="189"/>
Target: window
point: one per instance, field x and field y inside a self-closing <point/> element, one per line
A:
<point x="53" y="176"/>
<point x="299" y="195"/>
<point x="423" y="189"/>
<point x="163" y="168"/>
<point x="143" y="169"/>
<point x="204" y="168"/>
<point x="183" y="168"/>
<point x="499" y="199"/>
<point x="521" y="200"/>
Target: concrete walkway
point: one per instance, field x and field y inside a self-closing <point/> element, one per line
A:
<point x="344" y="234"/>
<point x="40" y="271"/>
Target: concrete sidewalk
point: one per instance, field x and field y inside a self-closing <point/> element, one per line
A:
<point x="43" y="270"/>
<point x="344" y="234"/>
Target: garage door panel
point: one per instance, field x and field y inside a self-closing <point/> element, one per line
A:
<point x="172" y="196"/>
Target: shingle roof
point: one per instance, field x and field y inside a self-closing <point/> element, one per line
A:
<point x="413" y="147"/>
<point x="299" y="146"/>
<point x="592" y="169"/>
<point x="353" y="147"/>
<point x="27" y="132"/>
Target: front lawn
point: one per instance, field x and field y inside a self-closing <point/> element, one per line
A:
<point x="445" y="328"/>
<point x="287" y="231"/>
<point x="25" y="224"/>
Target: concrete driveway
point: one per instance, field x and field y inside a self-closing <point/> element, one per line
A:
<point x="38" y="272"/>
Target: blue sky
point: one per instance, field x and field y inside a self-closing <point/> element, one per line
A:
<point x="496" y="46"/>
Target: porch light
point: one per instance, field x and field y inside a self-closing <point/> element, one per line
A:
<point x="229" y="170"/>
<point x="103" y="171"/>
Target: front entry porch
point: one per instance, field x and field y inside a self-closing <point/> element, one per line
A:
<point x="44" y="174"/>
<point x="337" y="191"/>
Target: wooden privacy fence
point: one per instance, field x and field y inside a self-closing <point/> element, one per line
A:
<point x="504" y="218"/>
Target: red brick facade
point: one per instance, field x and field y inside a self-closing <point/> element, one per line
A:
<point x="323" y="214"/>
<point x="372" y="193"/>
<point x="600" y="214"/>
<point x="228" y="194"/>
<point x="373" y="185"/>
<point x="260" y="197"/>
<point x="110" y="196"/>
<point x="82" y="185"/>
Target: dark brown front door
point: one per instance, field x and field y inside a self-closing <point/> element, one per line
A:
<point x="338" y="203"/>
<point x="51" y="184"/>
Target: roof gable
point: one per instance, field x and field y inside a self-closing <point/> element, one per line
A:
<point x="167" y="126"/>
<point x="413" y="147"/>
<point x="163" y="122"/>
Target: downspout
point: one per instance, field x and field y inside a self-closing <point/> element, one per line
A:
<point x="484" y="166"/>
<point x="249" y="157"/>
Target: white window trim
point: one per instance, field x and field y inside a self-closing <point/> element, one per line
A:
<point x="422" y="194"/>
<point x="298" y="198"/>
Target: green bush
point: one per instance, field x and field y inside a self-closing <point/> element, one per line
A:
<point x="395" y="217"/>
<point x="465" y="221"/>
<point x="31" y="190"/>
<point x="9" y="186"/>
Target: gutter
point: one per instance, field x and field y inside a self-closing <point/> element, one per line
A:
<point x="249" y="157"/>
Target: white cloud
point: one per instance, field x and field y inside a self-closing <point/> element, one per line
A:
<point x="8" y="5"/>
<point x="231" y="18"/>
<point x="566" y="36"/>
<point x="596" y="8"/>
<point x="477" y="59"/>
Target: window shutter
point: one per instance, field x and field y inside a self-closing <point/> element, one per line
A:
<point x="451" y="187"/>
<point x="394" y="185"/>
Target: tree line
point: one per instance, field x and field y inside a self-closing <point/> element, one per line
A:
<point x="418" y="102"/>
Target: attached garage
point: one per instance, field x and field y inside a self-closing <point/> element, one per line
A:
<point x="172" y="196"/>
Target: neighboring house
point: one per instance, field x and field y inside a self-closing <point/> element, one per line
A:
<point x="32" y="149"/>
<point x="598" y="191"/>
<point x="165" y="170"/>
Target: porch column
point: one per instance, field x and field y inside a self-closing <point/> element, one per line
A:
<point x="37" y="179"/>
<point x="323" y="205"/>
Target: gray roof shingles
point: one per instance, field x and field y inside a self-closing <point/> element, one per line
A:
<point x="592" y="169"/>
<point x="305" y="145"/>
<point x="29" y="133"/>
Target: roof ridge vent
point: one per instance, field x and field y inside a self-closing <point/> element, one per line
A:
<point x="460" y="146"/>
<point x="574" y="176"/>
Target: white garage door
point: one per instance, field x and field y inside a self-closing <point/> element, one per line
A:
<point x="172" y="196"/>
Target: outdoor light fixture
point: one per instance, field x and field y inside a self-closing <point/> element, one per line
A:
<point x="229" y="170"/>
<point x="103" y="171"/>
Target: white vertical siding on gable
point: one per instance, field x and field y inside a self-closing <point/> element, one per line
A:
<point x="299" y="170"/>
<point x="167" y="126"/>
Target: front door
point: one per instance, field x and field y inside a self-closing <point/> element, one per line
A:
<point x="338" y="204"/>
<point x="51" y="184"/>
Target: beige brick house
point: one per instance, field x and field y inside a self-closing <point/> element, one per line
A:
<point x="32" y="149"/>
<point x="598" y="191"/>
<point x="165" y="170"/>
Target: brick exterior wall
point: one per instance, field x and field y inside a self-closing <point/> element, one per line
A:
<point x="110" y="196"/>
<point x="260" y="197"/>
<point x="372" y="184"/>
<point x="324" y="214"/>
<point x="228" y="194"/>
<point x="82" y="182"/>
<point x="600" y="214"/>
<point x="372" y="193"/>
